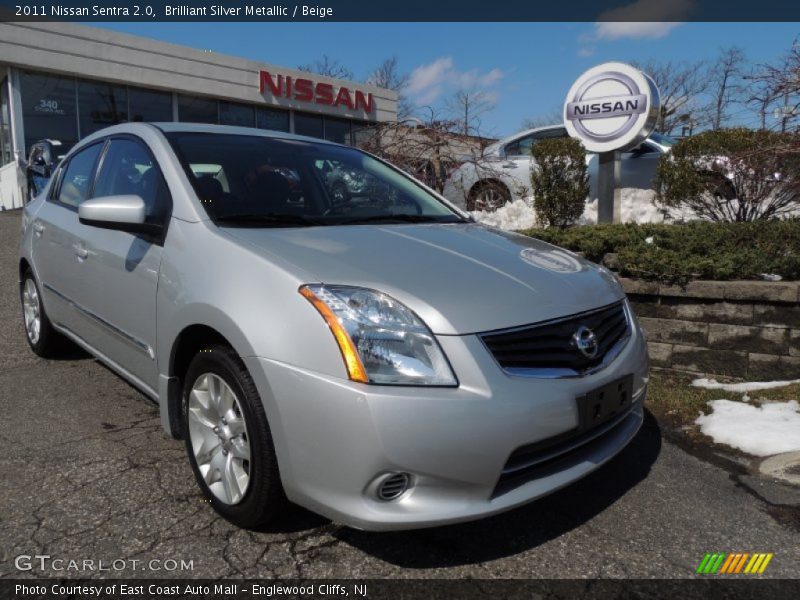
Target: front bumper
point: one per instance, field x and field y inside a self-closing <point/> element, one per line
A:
<point x="334" y="437"/>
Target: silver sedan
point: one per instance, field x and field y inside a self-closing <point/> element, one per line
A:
<point x="386" y="362"/>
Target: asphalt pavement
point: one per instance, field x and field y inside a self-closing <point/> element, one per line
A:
<point x="87" y="474"/>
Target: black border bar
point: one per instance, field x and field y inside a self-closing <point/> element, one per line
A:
<point x="405" y="11"/>
<point x="710" y="587"/>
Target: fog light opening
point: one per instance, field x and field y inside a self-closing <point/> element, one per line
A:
<point x="392" y="486"/>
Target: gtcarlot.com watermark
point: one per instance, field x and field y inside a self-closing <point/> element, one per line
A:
<point x="48" y="563"/>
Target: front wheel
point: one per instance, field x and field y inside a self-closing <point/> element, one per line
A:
<point x="228" y="439"/>
<point x="488" y="196"/>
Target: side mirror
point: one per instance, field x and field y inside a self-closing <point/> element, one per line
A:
<point x="123" y="213"/>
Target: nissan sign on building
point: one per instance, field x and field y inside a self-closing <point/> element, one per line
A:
<point x="611" y="108"/>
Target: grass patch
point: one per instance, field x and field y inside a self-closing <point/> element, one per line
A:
<point x="672" y="398"/>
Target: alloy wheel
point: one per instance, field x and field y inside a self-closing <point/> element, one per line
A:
<point x="32" y="311"/>
<point x="218" y="435"/>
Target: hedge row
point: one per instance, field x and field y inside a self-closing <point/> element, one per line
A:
<point x="697" y="250"/>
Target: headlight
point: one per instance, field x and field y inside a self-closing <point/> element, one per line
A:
<point x="381" y="340"/>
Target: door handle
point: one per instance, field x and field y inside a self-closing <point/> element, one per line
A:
<point x="509" y="165"/>
<point x="80" y="251"/>
<point x="38" y="228"/>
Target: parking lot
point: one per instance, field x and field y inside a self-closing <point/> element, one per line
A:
<point x="86" y="473"/>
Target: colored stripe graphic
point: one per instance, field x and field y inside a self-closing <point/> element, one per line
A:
<point x="728" y="562"/>
<point x="703" y="563"/>
<point x="734" y="563"/>
<point x="766" y="562"/>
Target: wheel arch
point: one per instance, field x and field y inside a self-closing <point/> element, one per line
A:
<point x="488" y="181"/>
<point x="187" y="343"/>
<point x="24" y="266"/>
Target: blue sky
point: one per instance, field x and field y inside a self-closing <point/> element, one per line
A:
<point x="528" y="67"/>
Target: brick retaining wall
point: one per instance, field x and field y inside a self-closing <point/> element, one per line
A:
<point x="745" y="329"/>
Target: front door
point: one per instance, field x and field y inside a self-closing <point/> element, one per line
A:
<point x="125" y="266"/>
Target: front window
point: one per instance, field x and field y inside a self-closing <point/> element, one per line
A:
<point x="244" y="180"/>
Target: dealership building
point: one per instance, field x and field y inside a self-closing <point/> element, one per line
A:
<point x="61" y="81"/>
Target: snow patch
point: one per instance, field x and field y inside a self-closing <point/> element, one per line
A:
<point x="514" y="216"/>
<point x="637" y="207"/>
<point x="741" y="388"/>
<point x="773" y="428"/>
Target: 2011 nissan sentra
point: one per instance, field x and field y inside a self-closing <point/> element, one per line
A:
<point x="374" y="356"/>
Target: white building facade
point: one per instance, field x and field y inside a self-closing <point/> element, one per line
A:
<point x="61" y="81"/>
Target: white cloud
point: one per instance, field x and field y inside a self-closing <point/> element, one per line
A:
<point x="427" y="83"/>
<point x="587" y="51"/>
<point x="632" y="30"/>
<point x="643" y="19"/>
<point x="427" y="76"/>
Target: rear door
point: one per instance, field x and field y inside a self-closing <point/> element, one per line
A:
<point x="57" y="252"/>
<point x="638" y="167"/>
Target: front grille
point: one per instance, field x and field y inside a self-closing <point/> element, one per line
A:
<point x="550" y="345"/>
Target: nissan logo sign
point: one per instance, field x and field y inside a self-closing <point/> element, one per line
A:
<point x="612" y="106"/>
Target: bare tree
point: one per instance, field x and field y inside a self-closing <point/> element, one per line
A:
<point x="553" y="117"/>
<point x="467" y="106"/>
<point x="387" y="76"/>
<point x="782" y="80"/>
<point x="330" y="67"/>
<point x="761" y="95"/>
<point x="427" y="147"/>
<point x="725" y="85"/>
<point x="680" y="84"/>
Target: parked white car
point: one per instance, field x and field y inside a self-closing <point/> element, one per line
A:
<point x="502" y="173"/>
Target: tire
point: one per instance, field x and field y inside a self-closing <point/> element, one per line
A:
<point x="488" y="196"/>
<point x="43" y="339"/>
<point x="228" y="441"/>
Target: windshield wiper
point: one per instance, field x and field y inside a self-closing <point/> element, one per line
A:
<point x="401" y="218"/>
<point x="267" y="219"/>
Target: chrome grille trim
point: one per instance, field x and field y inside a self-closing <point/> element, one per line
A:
<point x="549" y="372"/>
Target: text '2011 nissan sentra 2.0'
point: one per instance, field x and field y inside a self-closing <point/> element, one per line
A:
<point x="370" y="353"/>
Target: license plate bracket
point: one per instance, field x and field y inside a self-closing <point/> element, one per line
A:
<point x="605" y="403"/>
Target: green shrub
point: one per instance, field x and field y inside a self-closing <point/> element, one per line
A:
<point x="696" y="250"/>
<point x="732" y="175"/>
<point x="559" y="181"/>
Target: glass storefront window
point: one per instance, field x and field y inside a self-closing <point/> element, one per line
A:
<point x="192" y="109"/>
<point x="48" y="109"/>
<point x="101" y="104"/>
<point x="310" y="125"/>
<point x="231" y="113"/>
<point x="337" y="130"/>
<point x="6" y="148"/>
<point x="268" y="118"/>
<point x="149" y="105"/>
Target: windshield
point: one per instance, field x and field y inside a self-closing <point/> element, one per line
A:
<point x="244" y="180"/>
<point x="664" y="140"/>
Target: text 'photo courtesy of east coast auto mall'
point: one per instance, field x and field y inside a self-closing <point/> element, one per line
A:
<point x="425" y="300"/>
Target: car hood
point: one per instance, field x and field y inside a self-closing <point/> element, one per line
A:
<point x="459" y="278"/>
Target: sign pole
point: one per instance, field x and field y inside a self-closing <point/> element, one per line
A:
<point x="609" y="196"/>
<point x="611" y="108"/>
